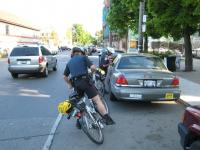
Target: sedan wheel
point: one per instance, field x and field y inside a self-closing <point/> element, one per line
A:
<point x="14" y="75"/>
<point x="112" y="96"/>
<point x="55" y="67"/>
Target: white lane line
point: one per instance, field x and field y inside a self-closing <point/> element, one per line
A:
<point x="49" y="140"/>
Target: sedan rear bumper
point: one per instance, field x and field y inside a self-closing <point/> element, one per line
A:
<point x="144" y="94"/>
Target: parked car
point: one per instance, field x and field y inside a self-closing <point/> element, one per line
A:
<point x="116" y="52"/>
<point x="189" y="128"/>
<point x="142" y="77"/>
<point x="29" y="59"/>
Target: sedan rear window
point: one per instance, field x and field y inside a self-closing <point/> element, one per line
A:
<point x="141" y="62"/>
<point x="25" y="51"/>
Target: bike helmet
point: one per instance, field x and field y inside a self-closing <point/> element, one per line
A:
<point x="78" y="49"/>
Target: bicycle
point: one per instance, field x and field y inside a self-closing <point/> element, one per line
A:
<point x="84" y="109"/>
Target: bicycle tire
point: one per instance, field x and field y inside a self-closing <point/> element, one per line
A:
<point x="86" y="130"/>
<point x="100" y="87"/>
<point x="105" y="104"/>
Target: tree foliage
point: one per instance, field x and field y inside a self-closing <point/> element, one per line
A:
<point x="80" y="36"/>
<point x="69" y="33"/>
<point x="122" y="16"/>
<point x="177" y="18"/>
<point x="172" y="18"/>
<point x="54" y="37"/>
<point x="98" y="39"/>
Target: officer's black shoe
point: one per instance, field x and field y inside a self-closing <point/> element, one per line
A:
<point x="78" y="124"/>
<point x="108" y="120"/>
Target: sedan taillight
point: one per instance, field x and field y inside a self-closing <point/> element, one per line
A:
<point x="175" y="82"/>
<point x="121" y="80"/>
<point x="41" y="59"/>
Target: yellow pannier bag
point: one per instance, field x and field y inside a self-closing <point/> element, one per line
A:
<point x="64" y="107"/>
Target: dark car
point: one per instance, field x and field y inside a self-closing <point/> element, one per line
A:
<point x="189" y="128"/>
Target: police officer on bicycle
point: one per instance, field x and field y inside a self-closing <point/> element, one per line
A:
<point x="77" y="67"/>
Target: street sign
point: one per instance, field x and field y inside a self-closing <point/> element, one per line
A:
<point x="144" y="18"/>
<point x="144" y="28"/>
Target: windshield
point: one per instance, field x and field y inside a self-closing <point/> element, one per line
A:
<point x="141" y="62"/>
<point x="25" y="51"/>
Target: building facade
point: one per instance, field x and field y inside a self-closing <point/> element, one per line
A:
<point x="106" y="30"/>
<point x="15" y="30"/>
<point x="110" y="38"/>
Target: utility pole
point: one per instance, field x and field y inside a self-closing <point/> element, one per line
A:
<point x="141" y="26"/>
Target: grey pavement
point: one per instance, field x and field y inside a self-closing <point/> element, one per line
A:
<point x="190" y="83"/>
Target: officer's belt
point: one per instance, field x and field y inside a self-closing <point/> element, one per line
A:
<point x="80" y="77"/>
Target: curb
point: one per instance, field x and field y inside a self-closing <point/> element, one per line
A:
<point x="183" y="102"/>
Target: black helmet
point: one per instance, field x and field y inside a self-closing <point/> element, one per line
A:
<point x="78" y="49"/>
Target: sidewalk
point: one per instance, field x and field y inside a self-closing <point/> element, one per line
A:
<point x="190" y="84"/>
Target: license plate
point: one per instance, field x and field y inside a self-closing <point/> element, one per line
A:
<point x="135" y="96"/>
<point x="169" y="96"/>
<point x="149" y="83"/>
<point x="23" y="62"/>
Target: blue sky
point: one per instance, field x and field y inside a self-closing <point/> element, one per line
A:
<point x="58" y="14"/>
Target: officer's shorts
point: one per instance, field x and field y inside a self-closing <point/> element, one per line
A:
<point x="87" y="87"/>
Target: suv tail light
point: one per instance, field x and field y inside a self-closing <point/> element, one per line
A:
<point x="121" y="80"/>
<point x="175" y="82"/>
<point x="8" y="60"/>
<point x="41" y="59"/>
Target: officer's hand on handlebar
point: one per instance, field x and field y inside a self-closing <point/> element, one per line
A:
<point x="93" y="68"/>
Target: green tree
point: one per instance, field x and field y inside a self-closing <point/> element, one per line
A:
<point x="98" y="39"/>
<point x="177" y="18"/>
<point x="124" y="15"/>
<point x="69" y="34"/>
<point x="80" y="36"/>
<point x="54" y="37"/>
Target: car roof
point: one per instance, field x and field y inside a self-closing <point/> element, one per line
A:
<point x="136" y="54"/>
<point x="27" y="45"/>
<point x="30" y="45"/>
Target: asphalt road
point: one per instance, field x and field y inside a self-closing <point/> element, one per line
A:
<point x="28" y="110"/>
<point x="28" y="107"/>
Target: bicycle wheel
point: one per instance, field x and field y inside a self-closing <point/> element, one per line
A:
<point x="105" y="103"/>
<point x="91" y="128"/>
<point x="100" y="87"/>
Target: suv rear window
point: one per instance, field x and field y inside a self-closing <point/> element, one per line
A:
<point x="141" y="62"/>
<point x="25" y="51"/>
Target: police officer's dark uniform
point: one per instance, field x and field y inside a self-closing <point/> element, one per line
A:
<point x="78" y="68"/>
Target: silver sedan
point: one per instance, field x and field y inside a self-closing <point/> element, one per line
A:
<point x="141" y="77"/>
